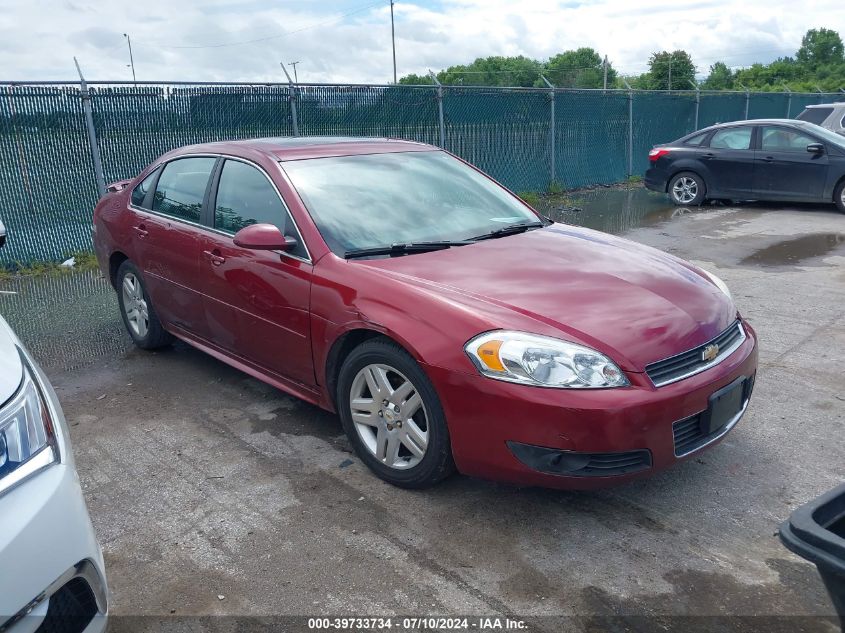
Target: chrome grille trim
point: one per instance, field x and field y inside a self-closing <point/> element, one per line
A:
<point x="689" y="363"/>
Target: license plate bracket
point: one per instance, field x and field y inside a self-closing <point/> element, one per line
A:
<point x="723" y="406"/>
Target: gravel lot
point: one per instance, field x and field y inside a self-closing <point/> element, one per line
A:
<point x="214" y="494"/>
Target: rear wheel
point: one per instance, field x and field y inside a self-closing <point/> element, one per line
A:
<point x="137" y="310"/>
<point x="687" y="189"/>
<point x="839" y="196"/>
<point x="392" y="415"/>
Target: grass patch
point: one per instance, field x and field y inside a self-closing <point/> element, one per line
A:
<point x="532" y="198"/>
<point x="85" y="261"/>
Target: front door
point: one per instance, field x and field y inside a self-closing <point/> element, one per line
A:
<point x="256" y="302"/>
<point x="784" y="169"/>
<point x="165" y="227"/>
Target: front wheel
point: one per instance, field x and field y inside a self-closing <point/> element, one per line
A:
<point x="687" y="189"/>
<point x="393" y="416"/>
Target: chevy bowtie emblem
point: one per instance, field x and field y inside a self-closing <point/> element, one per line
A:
<point x="710" y="352"/>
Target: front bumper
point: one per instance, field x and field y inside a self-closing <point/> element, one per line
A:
<point x="486" y="415"/>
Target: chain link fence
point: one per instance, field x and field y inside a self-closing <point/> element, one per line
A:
<point x="59" y="142"/>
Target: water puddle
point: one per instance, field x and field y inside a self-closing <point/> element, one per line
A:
<point x="64" y="320"/>
<point x="798" y="249"/>
<point x="613" y="210"/>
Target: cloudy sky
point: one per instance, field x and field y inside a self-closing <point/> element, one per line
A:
<point x="349" y="40"/>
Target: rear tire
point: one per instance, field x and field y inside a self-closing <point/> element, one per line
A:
<point x="136" y="308"/>
<point x="687" y="189"/>
<point x="839" y="196"/>
<point x="393" y="416"/>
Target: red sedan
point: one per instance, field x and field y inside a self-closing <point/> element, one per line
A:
<point x="449" y="324"/>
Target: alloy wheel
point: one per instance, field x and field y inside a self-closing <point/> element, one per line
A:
<point x="389" y="416"/>
<point x="685" y="190"/>
<point x="135" y="306"/>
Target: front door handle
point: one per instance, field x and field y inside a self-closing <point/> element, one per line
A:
<point x="141" y="230"/>
<point x="768" y="159"/>
<point x="215" y="257"/>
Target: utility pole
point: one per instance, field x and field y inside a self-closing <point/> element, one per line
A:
<point x="131" y="59"/>
<point x="295" y="78"/>
<point x="605" y="72"/>
<point x="393" y="40"/>
<point x="670" y="72"/>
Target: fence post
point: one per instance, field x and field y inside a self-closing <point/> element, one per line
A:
<point x="292" y="98"/>
<point x="788" y="102"/>
<point x="99" y="175"/>
<point x="552" y="156"/>
<point x="439" y="109"/>
<point x="747" y="99"/>
<point x="697" y="101"/>
<point x="630" y="128"/>
<point x="821" y="94"/>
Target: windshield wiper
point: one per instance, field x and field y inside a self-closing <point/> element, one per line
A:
<point x="511" y="229"/>
<point x="403" y="249"/>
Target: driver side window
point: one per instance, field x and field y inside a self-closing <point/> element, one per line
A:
<point x="784" y="140"/>
<point x="245" y="196"/>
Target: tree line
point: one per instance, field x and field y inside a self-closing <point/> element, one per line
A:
<point x="819" y="64"/>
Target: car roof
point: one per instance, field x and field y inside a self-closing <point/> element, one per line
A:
<point x="303" y="147"/>
<point x="837" y="104"/>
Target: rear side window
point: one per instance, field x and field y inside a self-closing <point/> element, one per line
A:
<point x="783" y="139"/>
<point x="139" y="193"/>
<point x="732" y="138"/>
<point x="696" y="140"/>
<point x="181" y="188"/>
<point x="815" y="115"/>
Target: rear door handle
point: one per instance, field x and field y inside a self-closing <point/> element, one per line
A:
<point x="214" y="257"/>
<point x="141" y="230"/>
<point x="709" y="155"/>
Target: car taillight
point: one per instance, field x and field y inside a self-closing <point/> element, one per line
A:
<point x="657" y="152"/>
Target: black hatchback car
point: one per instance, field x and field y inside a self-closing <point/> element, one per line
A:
<point x="765" y="159"/>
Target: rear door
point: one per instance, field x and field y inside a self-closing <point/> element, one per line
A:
<point x="729" y="160"/>
<point x="784" y="169"/>
<point x="256" y="302"/>
<point x="166" y="235"/>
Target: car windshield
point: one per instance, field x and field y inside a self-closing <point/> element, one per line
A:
<point x="823" y="133"/>
<point x="374" y="200"/>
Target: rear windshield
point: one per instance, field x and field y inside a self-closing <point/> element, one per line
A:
<point x="815" y="115"/>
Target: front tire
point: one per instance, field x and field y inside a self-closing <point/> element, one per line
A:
<point x="839" y="196"/>
<point x="687" y="189"/>
<point x="139" y="315"/>
<point x="393" y="416"/>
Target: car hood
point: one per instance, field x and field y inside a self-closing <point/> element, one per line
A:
<point x="11" y="367"/>
<point x="632" y="302"/>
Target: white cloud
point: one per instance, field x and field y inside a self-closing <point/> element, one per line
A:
<point x="38" y="38"/>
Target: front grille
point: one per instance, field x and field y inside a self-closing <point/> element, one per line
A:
<point x="71" y="609"/>
<point x="692" y="362"/>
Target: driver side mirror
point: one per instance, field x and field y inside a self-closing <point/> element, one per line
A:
<point x="263" y="237"/>
<point x="815" y="148"/>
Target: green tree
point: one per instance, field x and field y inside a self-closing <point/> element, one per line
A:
<point x="668" y="71"/>
<point x="415" y="80"/>
<point x="581" y="68"/>
<point x="820" y="47"/>
<point x="720" y="78"/>
<point x="493" y="71"/>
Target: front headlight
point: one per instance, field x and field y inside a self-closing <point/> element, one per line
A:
<point x="721" y="285"/>
<point x="27" y="435"/>
<point x="542" y="361"/>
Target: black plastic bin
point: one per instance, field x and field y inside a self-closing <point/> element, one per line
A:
<point x="816" y="531"/>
